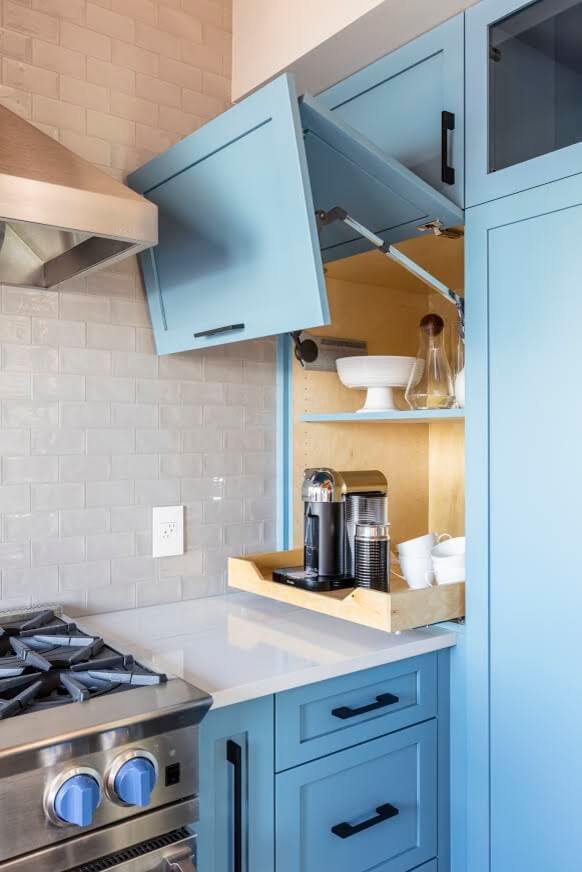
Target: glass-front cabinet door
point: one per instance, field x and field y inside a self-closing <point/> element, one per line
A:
<point x="524" y="95"/>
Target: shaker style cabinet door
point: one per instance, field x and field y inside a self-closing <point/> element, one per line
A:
<point x="407" y="102"/>
<point x="372" y="808"/>
<point x="238" y="254"/>
<point x="525" y="763"/>
<point x="236" y="830"/>
<point x="524" y="95"/>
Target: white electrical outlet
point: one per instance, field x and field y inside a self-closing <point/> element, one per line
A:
<point x="168" y="531"/>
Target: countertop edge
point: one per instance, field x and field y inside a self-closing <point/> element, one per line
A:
<point x="312" y="675"/>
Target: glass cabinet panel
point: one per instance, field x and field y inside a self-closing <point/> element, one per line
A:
<point x="535" y="82"/>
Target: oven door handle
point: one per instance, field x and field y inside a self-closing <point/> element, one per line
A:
<point x="180" y="862"/>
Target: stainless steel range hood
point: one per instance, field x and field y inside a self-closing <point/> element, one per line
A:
<point x="59" y="215"/>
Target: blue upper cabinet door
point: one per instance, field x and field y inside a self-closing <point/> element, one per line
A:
<point x="525" y="763"/>
<point x="524" y="95"/>
<point x="238" y="253"/>
<point x="398" y="102"/>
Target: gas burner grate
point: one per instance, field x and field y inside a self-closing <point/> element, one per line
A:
<point x="47" y="662"/>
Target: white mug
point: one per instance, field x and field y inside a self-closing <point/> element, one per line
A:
<point x="449" y="574"/>
<point x="421" y="546"/>
<point x="449" y="548"/>
<point x="417" y="572"/>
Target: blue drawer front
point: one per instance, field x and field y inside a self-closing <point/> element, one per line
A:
<point x="396" y="773"/>
<point x="322" y="718"/>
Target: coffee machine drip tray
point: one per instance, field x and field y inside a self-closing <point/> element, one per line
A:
<point x="297" y="576"/>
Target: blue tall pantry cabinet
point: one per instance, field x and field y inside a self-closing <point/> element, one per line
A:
<point x="524" y="475"/>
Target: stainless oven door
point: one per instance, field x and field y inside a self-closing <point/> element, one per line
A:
<point x="162" y="840"/>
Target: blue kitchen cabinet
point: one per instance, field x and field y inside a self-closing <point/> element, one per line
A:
<point x="240" y="250"/>
<point x="523" y="95"/>
<point x="236" y="832"/>
<point x="373" y="806"/>
<point x="524" y="480"/>
<point x="407" y="102"/>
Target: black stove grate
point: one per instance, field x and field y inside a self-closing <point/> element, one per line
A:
<point x="47" y="662"/>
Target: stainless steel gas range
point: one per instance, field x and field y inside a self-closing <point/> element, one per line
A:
<point x="98" y="754"/>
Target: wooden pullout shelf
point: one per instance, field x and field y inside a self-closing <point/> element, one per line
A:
<point x="401" y="609"/>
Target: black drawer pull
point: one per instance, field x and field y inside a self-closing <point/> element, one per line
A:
<point x="345" y="712"/>
<point x="234" y="757"/>
<point x="383" y="813"/>
<point x="447" y="126"/>
<point x="217" y="330"/>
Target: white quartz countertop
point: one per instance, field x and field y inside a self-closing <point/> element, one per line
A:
<point x="240" y="646"/>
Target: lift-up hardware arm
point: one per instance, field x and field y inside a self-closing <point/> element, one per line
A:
<point x="339" y="214"/>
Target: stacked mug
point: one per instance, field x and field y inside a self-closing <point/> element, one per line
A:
<point x="433" y="557"/>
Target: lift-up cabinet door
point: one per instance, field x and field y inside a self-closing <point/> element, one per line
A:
<point x="238" y="255"/>
<point x="410" y="103"/>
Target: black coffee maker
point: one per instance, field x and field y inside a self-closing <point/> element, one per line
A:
<point x="324" y="492"/>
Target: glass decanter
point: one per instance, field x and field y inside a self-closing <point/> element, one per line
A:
<point x="430" y="385"/>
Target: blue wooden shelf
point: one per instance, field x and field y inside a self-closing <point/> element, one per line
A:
<point x="396" y="417"/>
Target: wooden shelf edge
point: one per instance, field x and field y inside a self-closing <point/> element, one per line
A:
<point x="397" y="417"/>
<point x="401" y="609"/>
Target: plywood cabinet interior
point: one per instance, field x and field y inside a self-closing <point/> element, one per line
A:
<point x="375" y="300"/>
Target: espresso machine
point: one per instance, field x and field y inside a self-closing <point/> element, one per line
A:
<point x="329" y="498"/>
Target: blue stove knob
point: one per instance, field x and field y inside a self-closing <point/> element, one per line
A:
<point x="77" y="800"/>
<point x="135" y="781"/>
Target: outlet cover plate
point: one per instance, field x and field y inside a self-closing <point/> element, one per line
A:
<point x="168" y="531"/>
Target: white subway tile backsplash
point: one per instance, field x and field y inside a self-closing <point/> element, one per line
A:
<point x="15" y="328"/>
<point x="47" y="441"/>
<point x="81" y="522"/>
<point x="81" y="468"/>
<point x="134" y="415"/>
<point x="150" y="441"/>
<point x="157" y="492"/>
<point x="58" y="387"/>
<point x="85" y="576"/>
<point x="15" y="385"/>
<point x="109" y="493"/>
<point x="130" y="518"/>
<point x="107" y="545"/>
<point x="47" y="331"/>
<point x="95" y="428"/>
<point x="54" y="552"/>
<point x="44" y="497"/>
<point x="105" y="388"/>
<point x="135" y="466"/>
<point x="110" y="442"/>
<point x="85" y="360"/>
<point x="41" y="582"/>
<point x="14" y="442"/>
<point x="85" y="415"/>
<point x="29" y="469"/>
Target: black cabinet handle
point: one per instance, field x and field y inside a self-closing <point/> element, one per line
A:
<point x="383" y="813"/>
<point x="228" y="328"/>
<point x="385" y="699"/>
<point x="447" y="126"/>
<point x="234" y="757"/>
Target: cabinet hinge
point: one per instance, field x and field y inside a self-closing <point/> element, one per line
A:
<point x="436" y="227"/>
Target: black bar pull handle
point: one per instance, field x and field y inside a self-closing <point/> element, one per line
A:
<point x="234" y="757"/>
<point x="383" y="700"/>
<point x="383" y="813"/>
<point x="447" y="126"/>
<point x="228" y="328"/>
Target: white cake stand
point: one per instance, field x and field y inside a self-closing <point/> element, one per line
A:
<point x="380" y="375"/>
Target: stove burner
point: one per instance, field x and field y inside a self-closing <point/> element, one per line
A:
<point x="46" y="662"/>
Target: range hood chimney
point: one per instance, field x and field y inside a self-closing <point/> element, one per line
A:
<point x="59" y="215"/>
